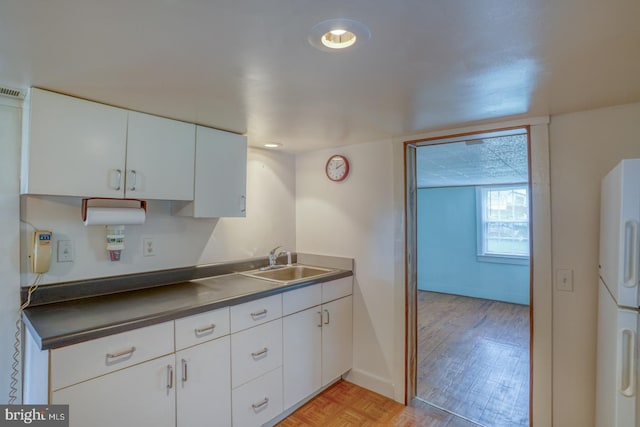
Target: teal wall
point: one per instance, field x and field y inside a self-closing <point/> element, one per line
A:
<point x="447" y="250"/>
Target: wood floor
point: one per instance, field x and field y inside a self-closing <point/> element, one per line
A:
<point x="473" y="358"/>
<point x="347" y="405"/>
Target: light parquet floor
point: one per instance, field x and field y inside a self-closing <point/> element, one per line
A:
<point x="346" y="405"/>
<point x="473" y="358"/>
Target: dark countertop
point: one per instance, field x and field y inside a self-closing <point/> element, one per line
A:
<point x="70" y="322"/>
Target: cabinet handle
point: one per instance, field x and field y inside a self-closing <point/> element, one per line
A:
<point x="184" y="371"/>
<point x="320" y="324"/>
<point x="134" y="179"/>
<point x="169" y="377"/>
<point x="260" y="352"/>
<point x="208" y="328"/>
<point x="328" y="317"/>
<point x="244" y="204"/>
<point x="260" y="404"/>
<point x="119" y="184"/>
<point x="129" y="350"/>
<point x="259" y="313"/>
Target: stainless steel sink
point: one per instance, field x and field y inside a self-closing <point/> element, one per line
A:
<point x="289" y="274"/>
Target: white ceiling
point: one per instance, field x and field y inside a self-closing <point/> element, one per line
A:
<point x="245" y="65"/>
<point x="484" y="161"/>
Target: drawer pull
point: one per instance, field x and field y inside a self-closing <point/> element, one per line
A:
<point x="169" y="377"/>
<point x="129" y="350"/>
<point x="260" y="404"/>
<point x="259" y="313"/>
<point x="119" y="184"/>
<point x="205" y="329"/>
<point x="260" y="352"/>
<point x="184" y="371"/>
<point x="133" y="177"/>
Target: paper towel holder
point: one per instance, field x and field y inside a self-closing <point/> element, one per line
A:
<point x="105" y="202"/>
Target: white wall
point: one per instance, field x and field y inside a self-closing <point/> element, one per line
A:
<point x="357" y="218"/>
<point x="9" y="230"/>
<point x="584" y="147"/>
<point x="179" y="241"/>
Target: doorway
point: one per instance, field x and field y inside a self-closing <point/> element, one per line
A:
<point x="473" y="273"/>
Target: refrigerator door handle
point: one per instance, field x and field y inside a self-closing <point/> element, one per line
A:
<point x="631" y="254"/>
<point x="627" y="353"/>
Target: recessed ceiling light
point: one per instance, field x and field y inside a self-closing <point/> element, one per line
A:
<point x="338" y="39"/>
<point x="272" y="145"/>
<point x="338" y="34"/>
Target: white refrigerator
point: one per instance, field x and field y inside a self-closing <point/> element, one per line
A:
<point x="617" y="403"/>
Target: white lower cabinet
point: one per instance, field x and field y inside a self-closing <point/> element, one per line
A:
<point x="337" y="338"/>
<point x="256" y="372"/>
<point x="302" y="355"/>
<point x="240" y="366"/>
<point x="255" y="351"/>
<point x="317" y="342"/>
<point x="203" y="382"/>
<point x="141" y="395"/>
<point x="258" y="401"/>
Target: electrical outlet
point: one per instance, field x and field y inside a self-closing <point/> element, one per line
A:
<point x="148" y="247"/>
<point x="65" y="251"/>
<point x="564" y="279"/>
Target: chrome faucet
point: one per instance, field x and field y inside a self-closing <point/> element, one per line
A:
<point x="273" y="257"/>
<point x="274" y="254"/>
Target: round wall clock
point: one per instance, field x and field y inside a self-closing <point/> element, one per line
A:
<point x="337" y="168"/>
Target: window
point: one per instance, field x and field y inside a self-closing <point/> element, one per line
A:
<point x="503" y="223"/>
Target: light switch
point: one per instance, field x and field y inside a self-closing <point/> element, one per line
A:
<point x="564" y="279"/>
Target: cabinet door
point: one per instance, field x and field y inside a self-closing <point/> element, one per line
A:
<point x="258" y="401"/>
<point x="302" y="355"/>
<point x="142" y="395"/>
<point x="337" y="338"/>
<point x="204" y="384"/>
<point x="160" y="158"/>
<point x="73" y="147"/>
<point x="221" y="174"/>
<point x="256" y="351"/>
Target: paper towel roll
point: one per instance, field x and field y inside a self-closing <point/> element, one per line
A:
<point x="114" y="216"/>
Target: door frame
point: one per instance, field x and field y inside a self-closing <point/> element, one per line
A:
<point x="540" y="379"/>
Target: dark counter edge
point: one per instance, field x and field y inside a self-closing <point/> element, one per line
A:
<point x="127" y="325"/>
<point x="69" y="291"/>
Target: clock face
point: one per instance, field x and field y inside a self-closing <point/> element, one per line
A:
<point x="337" y="168"/>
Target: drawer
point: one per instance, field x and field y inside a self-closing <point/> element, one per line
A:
<point x="258" y="401"/>
<point x="202" y="327"/>
<point x="255" y="351"/>
<point x="255" y="312"/>
<point x="301" y="299"/>
<point x="337" y="289"/>
<point x="80" y="362"/>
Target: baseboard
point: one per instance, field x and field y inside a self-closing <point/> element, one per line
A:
<point x="372" y="382"/>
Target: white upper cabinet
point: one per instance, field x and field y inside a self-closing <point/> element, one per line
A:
<point x="160" y="156"/>
<point x="220" y="176"/>
<point x="73" y="147"/>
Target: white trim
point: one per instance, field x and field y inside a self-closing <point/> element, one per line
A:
<point x="542" y="357"/>
<point x="531" y="121"/>
<point x="10" y="102"/>
<point x="484" y="256"/>
<point x="371" y="382"/>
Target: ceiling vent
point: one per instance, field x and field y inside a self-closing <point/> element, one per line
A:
<point x="11" y="92"/>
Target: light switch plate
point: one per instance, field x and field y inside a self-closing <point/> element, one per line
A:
<point x="564" y="279"/>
